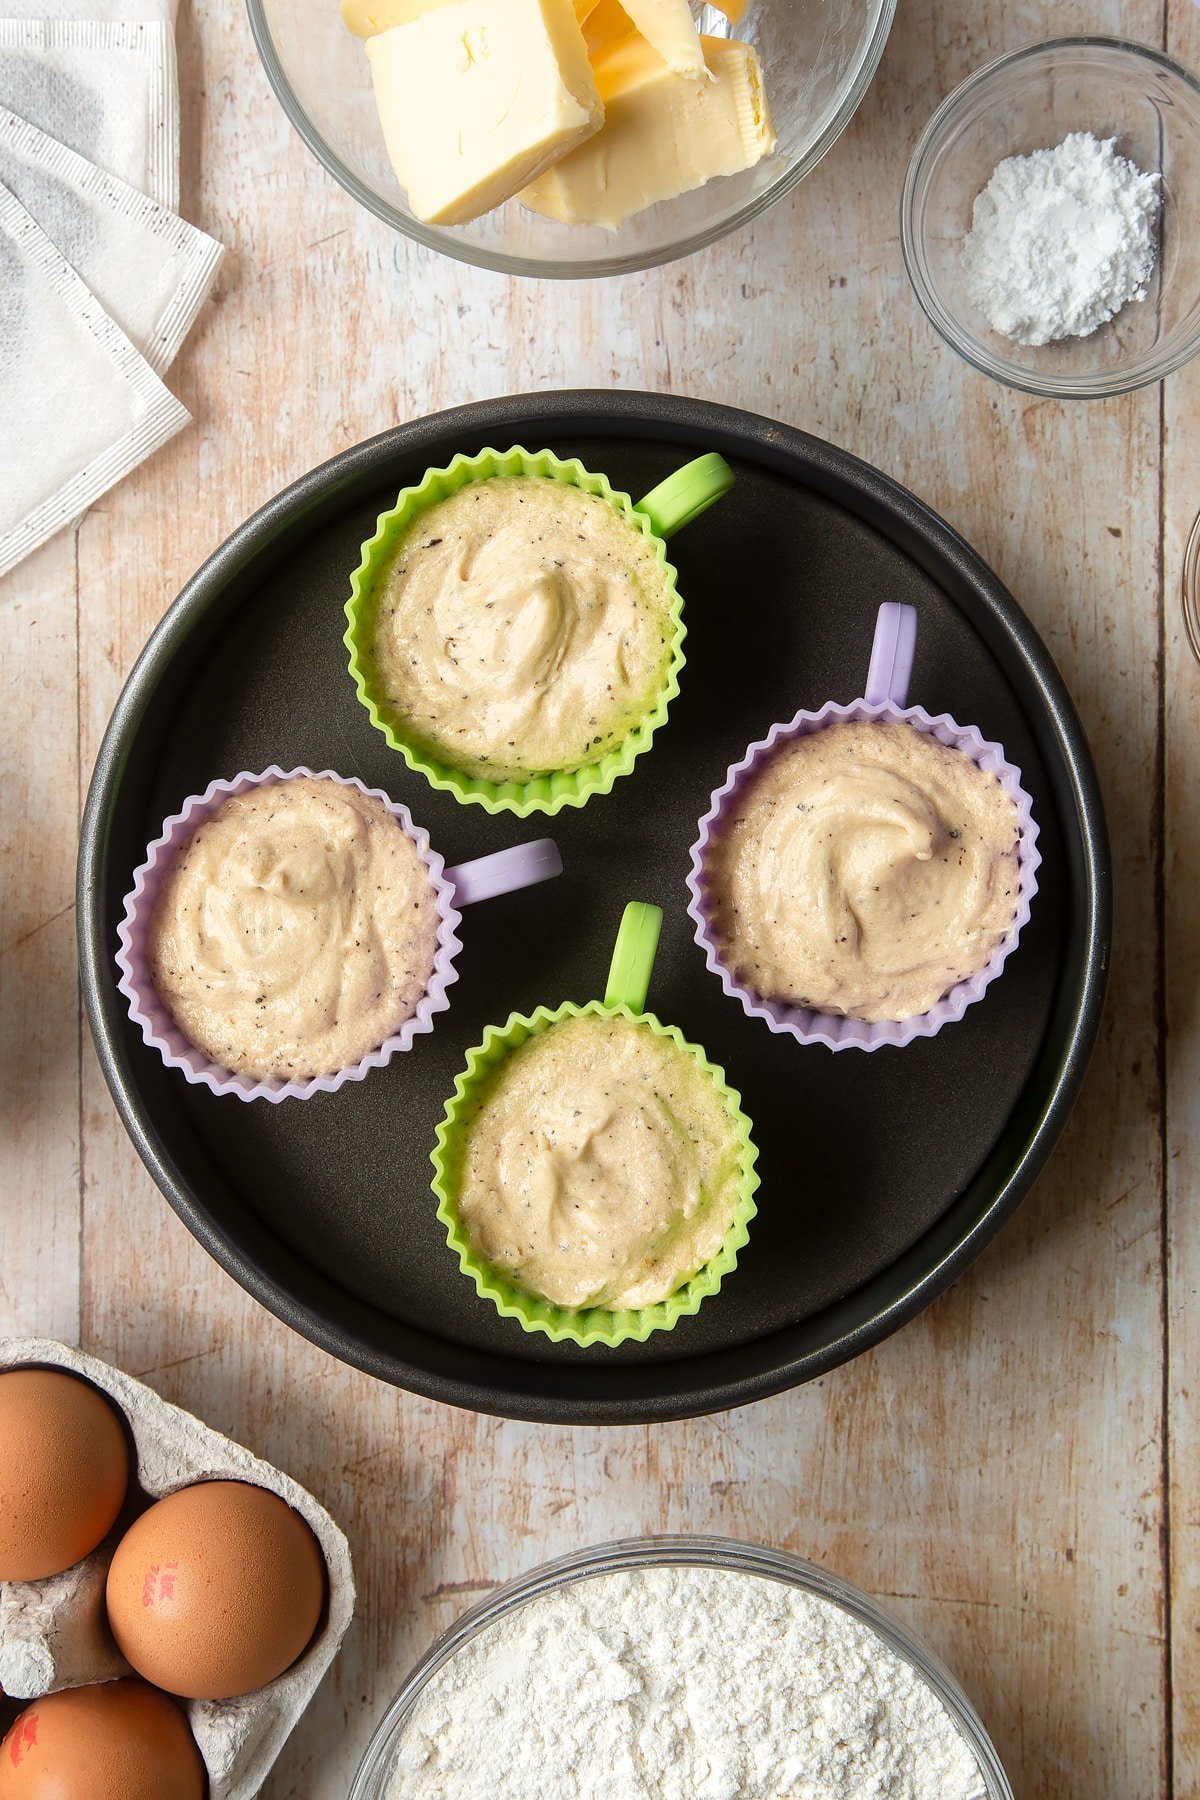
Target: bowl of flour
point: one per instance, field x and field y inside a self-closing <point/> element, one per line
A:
<point x="1046" y="217"/>
<point x="679" y="1668"/>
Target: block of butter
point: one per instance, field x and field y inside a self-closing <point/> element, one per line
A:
<point x="668" y="27"/>
<point x="478" y="97"/>
<point x="605" y="23"/>
<point x="367" y="17"/>
<point x="663" y="133"/>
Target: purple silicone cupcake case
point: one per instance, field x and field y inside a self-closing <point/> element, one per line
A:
<point x="519" y="866"/>
<point x="885" y="698"/>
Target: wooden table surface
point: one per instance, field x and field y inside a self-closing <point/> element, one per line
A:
<point x="1015" y="1474"/>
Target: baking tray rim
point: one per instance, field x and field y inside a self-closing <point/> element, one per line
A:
<point x="631" y="1393"/>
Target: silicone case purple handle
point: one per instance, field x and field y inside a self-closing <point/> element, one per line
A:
<point x="521" y="866"/>
<point x="886" y="701"/>
<point x="892" y="653"/>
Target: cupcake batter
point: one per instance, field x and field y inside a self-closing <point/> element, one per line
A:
<point x="601" y="1166"/>
<point x="866" y="870"/>
<point x="523" y="626"/>
<point x="294" y="931"/>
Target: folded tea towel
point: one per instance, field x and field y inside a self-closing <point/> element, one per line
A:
<point x="147" y="267"/>
<point x="79" y="405"/>
<point x="100" y="280"/>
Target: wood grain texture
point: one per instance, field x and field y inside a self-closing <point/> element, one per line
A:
<point x="39" y="1014"/>
<point x="1179" y="997"/>
<point x="1001" y="1472"/>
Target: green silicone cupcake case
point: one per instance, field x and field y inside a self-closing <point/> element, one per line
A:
<point x="625" y="997"/>
<point x="674" y="503"/>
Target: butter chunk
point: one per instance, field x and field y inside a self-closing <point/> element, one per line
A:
<point x="478" y="97"/>
<point x="668" y="27"/>
<point x="663" y="133"/>
<point x="606" y="22"/>
<point x="368" y="17"/>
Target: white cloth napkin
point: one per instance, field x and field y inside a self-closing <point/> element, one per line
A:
<point x="148" y="268"/>
<point x="100" y="280"/>
<point x="113" y="11"/>
<point x="80" y="405"/>
<point x="110" y="92"/>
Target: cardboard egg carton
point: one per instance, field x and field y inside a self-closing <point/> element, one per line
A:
<point x="54" y="1633"/>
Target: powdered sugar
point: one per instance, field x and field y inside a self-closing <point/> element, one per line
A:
<point x="1061" y="240"/>
<point x="681" y="1684"/>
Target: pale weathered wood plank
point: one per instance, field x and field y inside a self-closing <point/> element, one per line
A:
<point x="39" y="1016"/>
<point x="996" y="1468"/>
<point x="1181" y="1016"/>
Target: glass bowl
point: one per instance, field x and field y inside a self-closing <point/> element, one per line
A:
<point x="1030" y="100"/>
<point x="818" y="58"/>
<point x="371" y="1781"/>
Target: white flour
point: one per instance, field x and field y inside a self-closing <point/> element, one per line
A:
<point x="1061" y="240"/>
<point x="681" y="1684"/>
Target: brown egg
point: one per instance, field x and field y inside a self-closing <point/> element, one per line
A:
<point x="216" y="1590"/>
<point x="118" y="1741"/>
<point x="63" y="1471"/>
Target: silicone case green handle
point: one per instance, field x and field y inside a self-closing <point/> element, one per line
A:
<point x="633" y="956"/>
<point x="628" y="980"/>
<point x="687" y="493"/>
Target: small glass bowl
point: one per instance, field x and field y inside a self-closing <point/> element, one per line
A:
<point x="1191" y="588"/>
<point x="375" y="1770"/>
<point x="1030" y="100"/>
<point x="818" y="60"/>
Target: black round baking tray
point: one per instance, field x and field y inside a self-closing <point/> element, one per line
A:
<point x="883" y="1176"/>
